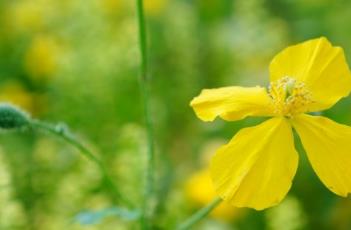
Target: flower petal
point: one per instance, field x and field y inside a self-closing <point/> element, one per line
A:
<point x="255" y="169"/>
<point x="322" y="67"/>
<point x="328" y="148"/>
<point x="232" y="103"/>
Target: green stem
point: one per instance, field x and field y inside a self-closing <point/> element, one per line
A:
<point x="64" y="134"/>
<point x="199" y="215"/>
<point x="150" y="164"/>
<point x="142" y="40"/>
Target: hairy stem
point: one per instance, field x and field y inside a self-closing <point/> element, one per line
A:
<point x="63" y="133"/>
<point x="144" y="91"/>
<point x="199" y="215"/>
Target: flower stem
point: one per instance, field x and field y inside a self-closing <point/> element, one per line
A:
<point x="144" y="91"/>
<point x="199" y="215"/>
<point x="63" y="133"/>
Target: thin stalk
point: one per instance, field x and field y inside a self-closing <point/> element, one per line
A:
<point x="199" y="215"/>
<point x="144" y="91"/>
<point x="63" y="133"/>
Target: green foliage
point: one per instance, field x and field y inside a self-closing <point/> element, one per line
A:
<point x="77" y="61"/>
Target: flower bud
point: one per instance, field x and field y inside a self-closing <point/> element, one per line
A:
<point x="12" y="117"/>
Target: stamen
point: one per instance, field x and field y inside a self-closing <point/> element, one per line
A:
<point x="289" y="96"/>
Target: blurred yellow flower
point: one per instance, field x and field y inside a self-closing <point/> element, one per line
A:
<point x="15" y="93"/>
<point x="154" y="7"/>
<point x="41" y="58"/>
<point x="112" y="6"/>
<point x="199" y="190"/>
<point x="255" y="169"/>
<point x="26" y="16"/>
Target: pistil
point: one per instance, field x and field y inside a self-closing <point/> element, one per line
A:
<point x="289" y="96"/>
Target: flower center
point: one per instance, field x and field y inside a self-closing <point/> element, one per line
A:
<point x="289" y="96"/>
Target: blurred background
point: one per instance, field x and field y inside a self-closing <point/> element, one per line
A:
<point x="76" y="61"/>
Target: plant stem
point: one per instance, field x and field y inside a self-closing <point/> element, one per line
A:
<point x="142" y="41"/>
<point x="144" y="91"/>
<point x="199" y="215"/>
<point x="64" y="134"/>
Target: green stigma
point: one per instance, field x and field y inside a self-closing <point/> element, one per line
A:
<point x="290" y="96"/>
<point x="289" y="87"/>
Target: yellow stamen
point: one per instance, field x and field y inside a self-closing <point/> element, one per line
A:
<point x="289" y="96"/>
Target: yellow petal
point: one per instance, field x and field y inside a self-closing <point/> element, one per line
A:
<point x="232" y="103"/>
<point x="322" y="67"/>
<point x="255" y="169"/>
<point x="328" y="147"/>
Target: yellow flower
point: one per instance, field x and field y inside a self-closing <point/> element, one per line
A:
<point x="41" y="58"/>
<point x="15" y="93"/>
<point x="255" y="169"/>
<point x="154" y="7"/>
<point x="199" y="189"/>
<point x="26" y="16"/>
<point x="112" y="6"/>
